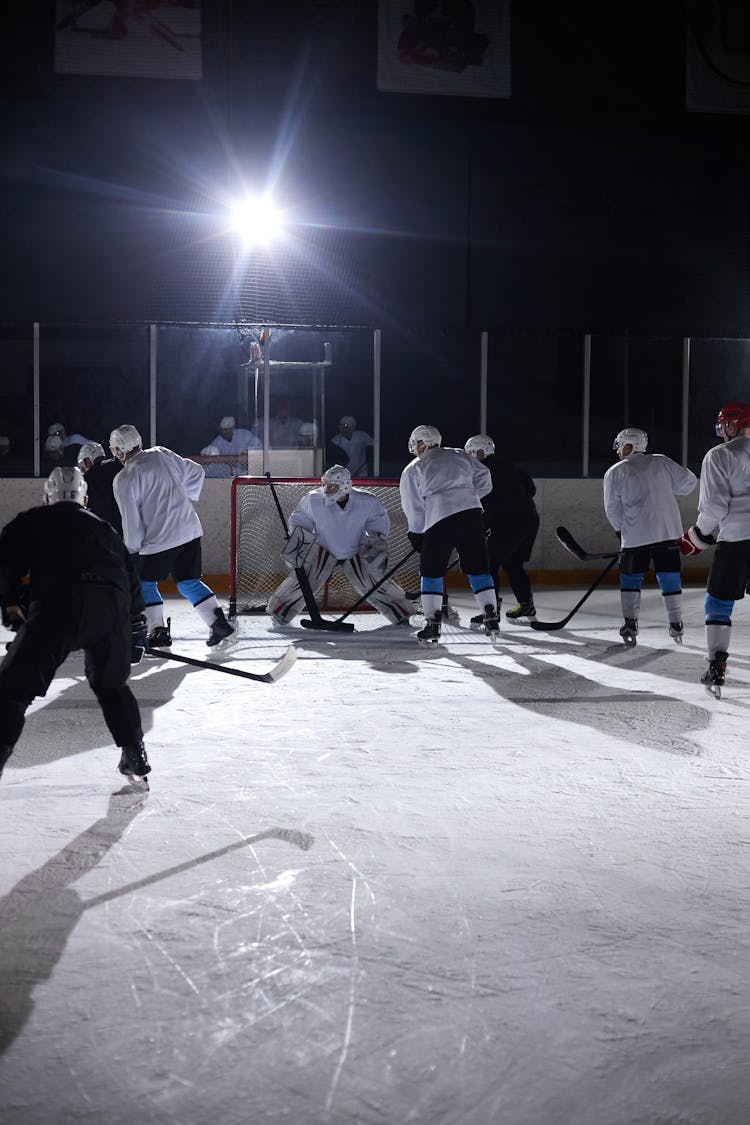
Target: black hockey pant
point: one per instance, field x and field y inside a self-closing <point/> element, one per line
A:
<point x="510" y="550"/>
<point x="90" y="617"/>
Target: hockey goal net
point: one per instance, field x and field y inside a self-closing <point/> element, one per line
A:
<point x="258" y="537"/>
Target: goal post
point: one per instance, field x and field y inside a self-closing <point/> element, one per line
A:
<point x="257" y="539"/>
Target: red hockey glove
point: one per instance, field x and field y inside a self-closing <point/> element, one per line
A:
<point x="694" y="541"/>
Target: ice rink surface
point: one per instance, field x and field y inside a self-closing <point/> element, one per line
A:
<point x="472" y="885"/>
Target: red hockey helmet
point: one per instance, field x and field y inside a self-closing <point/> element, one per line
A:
<point x="736" y="412"/>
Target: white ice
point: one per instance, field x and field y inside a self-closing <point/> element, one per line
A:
<point x="473" y="885"/>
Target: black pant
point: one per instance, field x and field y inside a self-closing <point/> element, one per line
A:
<point x="95" y="618"/>
<point x="510" y="548"/>
<point x="464" y="531"/>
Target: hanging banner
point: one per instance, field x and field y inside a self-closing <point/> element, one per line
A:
<point x="128" y="38"/>
<point x="444" y="47"/>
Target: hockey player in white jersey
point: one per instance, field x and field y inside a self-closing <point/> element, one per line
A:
<point x="338" y="524"/>
<point x="724" y="502"/>
<point x="441" y="494"/>
<point x="639" y="501"/>
<point x="155" y="493"/>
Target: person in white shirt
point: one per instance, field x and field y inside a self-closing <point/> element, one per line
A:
<point x="639" y="501"/>
<point x="353" y="443"/>
<point x="283" y="429"/>
<point x="441" y="494"/>
<point x="230" y="439"/>
<point x="155" y="493"/>
<point x="724" y="503"/>
<point x="338" y="524"/>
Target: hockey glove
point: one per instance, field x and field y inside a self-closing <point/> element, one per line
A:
<point x="694" y="541"/>
<point x="13" y="617"/>
<point x="139" y="632"/>
<point x="415" y="538"/>
<point x="373" y="550"/>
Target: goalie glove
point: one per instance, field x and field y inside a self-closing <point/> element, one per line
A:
<point x="297" y="547"/>
<point x="139" y="631"/>
<point x="694" y="541"/>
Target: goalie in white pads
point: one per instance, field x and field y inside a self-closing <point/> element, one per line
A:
<point x="334" y="524"/>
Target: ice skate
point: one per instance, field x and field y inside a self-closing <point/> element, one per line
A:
<point x="450" y="614"/>
<point x="430" y="635"/>
<point x="522" y="612"/>
<point x="220" y="629"/>
<point x="134" y="763"/>
<point x="160" y="636"/>
<point x="713" y="678"/>
<point x="5" y="753"/>
<point x="490" y="622"/>
<point x="629" y="632"/>
<point x="676" y="631"/>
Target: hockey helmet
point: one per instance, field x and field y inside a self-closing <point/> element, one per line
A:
<point x="637" y="438"/>
<point x="429" y="435"/>
<point x="349" y="421"/>
<point x="227" y="422"/>
<point x="90" y="451"/>
<point x="337" y="483"/>
<point x="480" y="443"/>
<point x="65" y="483"/>
<point x="124" y="440"/>
<point x="736" y="412"/>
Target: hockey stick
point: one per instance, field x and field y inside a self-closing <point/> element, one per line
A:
<point x="279" y="669"/>
<point x="360" y="601"/>
<point x="576" y="549"/>
<point x="549" y="626"/>
<point x="304" y="582"/>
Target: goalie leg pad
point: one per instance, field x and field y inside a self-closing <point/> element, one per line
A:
<point x="297" y="547"/>
<point x="389" y="599"/>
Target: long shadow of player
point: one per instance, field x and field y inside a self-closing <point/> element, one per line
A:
<point x="76" y="712"/>
<point x="39" y="914"/>
<point x="653" y="719"/>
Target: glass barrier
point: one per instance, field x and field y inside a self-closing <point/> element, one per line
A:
<point x="719" y="373"/>
<point x="17" y="401"/>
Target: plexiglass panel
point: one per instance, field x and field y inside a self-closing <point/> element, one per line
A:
<point x="17" y="401"/>
<point x="719" y="373"/>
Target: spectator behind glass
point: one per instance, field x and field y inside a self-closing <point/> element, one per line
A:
<point x="231" y="440"/>
<point x="284" y="428"/>
<point x="71" y="443"/>
<point x="349" y="447"/>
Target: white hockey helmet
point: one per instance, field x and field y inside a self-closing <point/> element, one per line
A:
<point x="125" y="439"/>
<point x="348" y="420"/>
<point x="480" y="443"/>
<point x="427" y="434"/>
<point x="65" y="483"/>
<point x="90" y="451"/>
<point x="637" y="438"/>
<point x="337" y="483"/>
<point x="227" y="422"/>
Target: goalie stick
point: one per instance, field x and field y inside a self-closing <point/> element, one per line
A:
<point x="338" y="622"/>
<point x="279" y="669"/>
<point x="576" y="549"/>
<point x="317" y="622"/>
<point x="549" y="626"/>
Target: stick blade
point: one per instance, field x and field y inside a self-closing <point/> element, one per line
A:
<point x="548" y="626"/>
<point x="287" y="661"/>
<point x="327" y="626"/>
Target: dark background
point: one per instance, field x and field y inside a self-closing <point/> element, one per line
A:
<point x="589" y="202"/>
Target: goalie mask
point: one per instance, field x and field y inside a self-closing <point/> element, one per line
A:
<point x="429" y="435"/>
<point x="91" y="451"/>
<point x="337" y="483"/>
<point x="736" y="412"/>
<point x="637" y="438"/>
<point x="65" y="483"/>
<point x="480" y="443"/>
<point x="124" y="440"/>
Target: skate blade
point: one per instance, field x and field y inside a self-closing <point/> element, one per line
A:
<point x="677" y="640"/>
<point x="135" y="781"/>
<point x="427" y="643"/>
<point x="714" y="690"/>
<point x="227" y="642"/>
<point x="629" y="642"/>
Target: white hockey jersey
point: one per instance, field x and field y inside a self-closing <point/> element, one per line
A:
<point x="440" y="483"/>
<point x="639" y="498"/>
<point x="724" y="498"/>
<point x="340" y="530"/>
<point x="154" y="493"/>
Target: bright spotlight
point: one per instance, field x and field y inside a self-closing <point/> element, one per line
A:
<point x="256" y="220"/>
